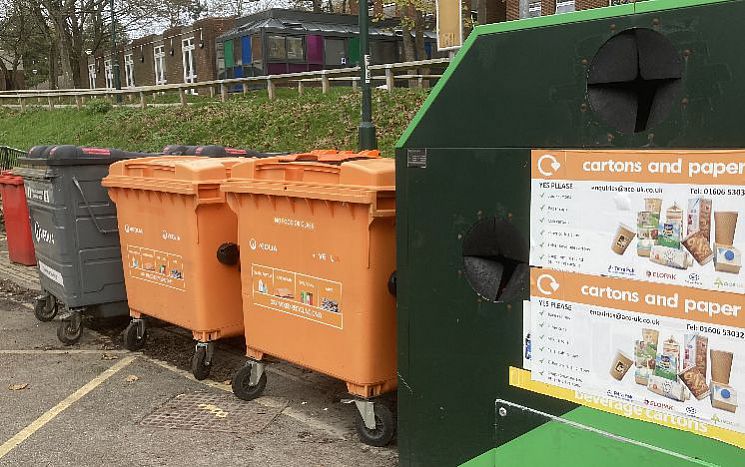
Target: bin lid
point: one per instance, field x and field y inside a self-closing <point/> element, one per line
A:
<point x="216" y="151"/>
<point x="171" y="174"/>
<point x="76" y="155"/>
<point x="7" y="178"/>
<point x="340" y="176"/>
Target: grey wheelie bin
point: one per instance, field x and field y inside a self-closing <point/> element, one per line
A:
<point x="75" y="234"/>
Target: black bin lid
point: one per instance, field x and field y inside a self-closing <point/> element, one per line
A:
<point x="216" y="151"/>
<point x="77" y="155"/>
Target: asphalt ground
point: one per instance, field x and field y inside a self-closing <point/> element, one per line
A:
<point x="95" y="403"/>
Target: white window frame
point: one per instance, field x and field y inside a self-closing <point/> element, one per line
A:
<point x="159" y="57"/>
<point x="565" y="6"/>
<point x="188" y="47"/>
<point x="533" y="7"/>
<point x="129" y="70"/>
<point x="92" y="75"/>
<point x="109" y="73"/>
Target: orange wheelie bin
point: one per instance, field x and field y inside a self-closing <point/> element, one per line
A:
<point x="317" y="241"/>
<point x="178" y="240"/>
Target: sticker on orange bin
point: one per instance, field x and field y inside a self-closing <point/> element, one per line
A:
<point x="298" y="294"/>
<point x="157" y="267"/>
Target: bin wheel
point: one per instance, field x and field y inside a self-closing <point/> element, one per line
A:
<point x="199" y="367"/>
<point x="131" y="341"/>
<point x="46" y="308"/>
<point x="70" y="331"/>
<point x="385" y="427"/>
<point x="242" y="387"/>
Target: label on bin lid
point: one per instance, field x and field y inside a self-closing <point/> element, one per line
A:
<point x="96" y="151"/>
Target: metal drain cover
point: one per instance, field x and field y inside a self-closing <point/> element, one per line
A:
<point x="203" y="411"/>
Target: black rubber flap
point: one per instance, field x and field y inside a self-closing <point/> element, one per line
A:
<point x="495" y="256"/>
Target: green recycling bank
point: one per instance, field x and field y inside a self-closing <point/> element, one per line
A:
<point x="570" y="209"/>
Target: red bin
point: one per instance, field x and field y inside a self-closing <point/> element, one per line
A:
<point x="17" y="224"/>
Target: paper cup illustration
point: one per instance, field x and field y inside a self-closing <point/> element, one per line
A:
<point x="622" y="238"/>
<point x="725" y="223"/>
<point x="620" y="366"/>
<point x="653" y="204"/>
<point x="721" y="365"/>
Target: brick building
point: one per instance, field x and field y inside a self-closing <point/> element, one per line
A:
<point x="178" y="55"/>
<point x="274" y="41"/>
<point x="519" y="9"/>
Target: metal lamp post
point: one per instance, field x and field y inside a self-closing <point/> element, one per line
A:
<point x="114" y="56"/>
<point x="367" y="138"/>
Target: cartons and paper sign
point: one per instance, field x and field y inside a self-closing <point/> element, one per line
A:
<point x="637" y="289"/>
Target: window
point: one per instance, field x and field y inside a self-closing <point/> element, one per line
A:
<point x="220" y="50"/>
<point x="159" y="55"/>
<point x="92" y="76"/>
<point x="295" y="48"/>
<point x="276" y="46"/>
<point x="109" y="73"/>
<point x="336" y="52"/>
<point x="530" y="8"/>
<point x="534" y="9"/>
<point x="187" y="50"/>
<point x="129" y="70"/>
<point x="564" y="6"/>
<point x="383" y="52"/>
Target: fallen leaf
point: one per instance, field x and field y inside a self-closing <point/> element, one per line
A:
<point x="108" y="357"/>
<point x="17" y="387"/>
<point x="132" y="378"/>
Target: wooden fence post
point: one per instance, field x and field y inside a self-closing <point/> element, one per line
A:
<point x="270" y="89"/>
<point x="51" y="103"/>
<point x="325" y="83"/>
<point x="390" y="83"/>
<point x="143" y="101"/>
<point x="212" y="92"/>
<point x="22" y="103"/>
<point x="245" y="88"/>
<point x="77" y="103"/>
<point x="300" y="87"/>
<point x="182" y="97"/>
<point x="223" y="92"/>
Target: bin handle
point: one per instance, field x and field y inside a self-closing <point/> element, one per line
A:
<point x="90" y="210"/>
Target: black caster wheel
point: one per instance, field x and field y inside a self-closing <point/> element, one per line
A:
<point x="131" y="340"/>
<point x="242" y="387"/>
<point x="199" y="367"/>
<point x="385" y="427"/>
<point x="45" y="308"/>
<point x="70" y="330"/>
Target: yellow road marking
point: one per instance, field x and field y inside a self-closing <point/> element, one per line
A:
<point x="48" y="416"/>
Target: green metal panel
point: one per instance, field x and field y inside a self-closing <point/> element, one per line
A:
<point x="353" y="51"/>
<point x="229" y="57"/>
<point x="513" y="87"/>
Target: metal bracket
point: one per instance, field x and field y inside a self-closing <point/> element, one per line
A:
<point x="367" y="411"/>
<point x="257" y="370"/>
<point x="210" y="347"/>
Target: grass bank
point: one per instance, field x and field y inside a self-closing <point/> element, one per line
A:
<point x="289" y="123"/>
